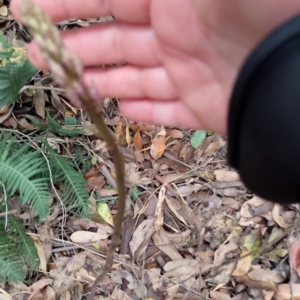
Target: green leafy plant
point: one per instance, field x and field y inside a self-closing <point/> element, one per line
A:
<point x="17" y="251"/>
<point x="15" y="71"/>
<point x="26" y="173"/>
<point x="55" y="127"/>
<point x="198" y="138"/>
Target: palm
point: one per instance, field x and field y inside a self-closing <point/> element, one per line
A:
<point x="182" y="60"/>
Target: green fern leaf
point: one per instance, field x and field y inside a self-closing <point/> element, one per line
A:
<point x="13" y="77"/>
<point x="27" y="247"/>
<point x="23" y="171"/>
<point x="15" y="71"/>
<point x="13" y="259"/>
<point x="74" y="184"/>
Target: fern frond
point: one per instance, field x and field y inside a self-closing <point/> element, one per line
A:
<point x="17" y="251"/>
<point x="74" y="186"/>
<point x="23" y="171"/>
<point x="26" y="245"/>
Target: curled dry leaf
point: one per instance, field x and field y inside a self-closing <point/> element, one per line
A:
<point x="36" y="287"/>
<point x="83" y="237"/>
<point x="295" y="256"/>
<point x="39" y="103"/>
<point x="137" y="141"/>
<point x="278" y="218"/>
<point x="179" y="237"/>
<point x="175" y="134"/>
<point x="141" y="237"/>
<point x="119" y="295"/>
<point x="5" y="112"/>
<point x="216" y="295"/>
<point x="159" y="214"/>
<point x="226" y="175"/>
<point x="243" y="264"/>
<point x="266" y="275"/>
<point x="163" y="243"/>
<point x="158" y="144"/>
<point x="41" y="253"/>
<point x="176" y="212"/>
<point x="255" y="283"/>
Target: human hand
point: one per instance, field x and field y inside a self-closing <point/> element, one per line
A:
<point x="182" y="56"/>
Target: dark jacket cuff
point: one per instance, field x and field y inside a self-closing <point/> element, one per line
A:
<point x="264" y="117"/>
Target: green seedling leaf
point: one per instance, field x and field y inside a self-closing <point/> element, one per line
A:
<point x="94" y="160"/>
<point x="96" y="246"/>
<point x="70" y="120"/>
<point x="104" y="212"/>
<point x="198" y="138"/>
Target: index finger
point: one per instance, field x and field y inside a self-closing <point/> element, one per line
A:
<point x="59" y="10"/>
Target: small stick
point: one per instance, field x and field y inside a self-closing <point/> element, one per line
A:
<point x="67" y="72"/>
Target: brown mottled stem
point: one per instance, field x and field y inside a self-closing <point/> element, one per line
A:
<point x="67" y="71"/>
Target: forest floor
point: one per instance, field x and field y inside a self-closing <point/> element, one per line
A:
<point x="191" y="229"/>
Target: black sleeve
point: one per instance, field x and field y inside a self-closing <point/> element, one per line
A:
<point x="264" y="117"/>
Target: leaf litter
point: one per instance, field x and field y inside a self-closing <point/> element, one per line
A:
<point x="193" y="231"/>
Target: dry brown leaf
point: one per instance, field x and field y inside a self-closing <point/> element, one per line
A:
<point x="184" y="267"/>
<point x="141" y="237"/>
<point x="216" y="295"/>
<point x="178" y="238"/>
<point x="226" y="175"/>
<point x="128" y="137"/>
<point x="246" y="210"/>
<point x="120" y="134"/>
<point x="278" y="218"/>
<point x="36" y="287"/>
<point x="95" y="183"/>
<point x="57" y="103"/>
<point x="64" y="278"/>
<point x="255" y="283"/>
<point x="119" y="295"/>
<point x="87" y="224"/>
<point x="41" y="253"/>
<point x="82" y="237"/>
<point x="188" y="189"/>
<point x="72" y="108"/>
<point x="266" y="275"/>
<point x="175" y="134"/>
<point x="207" y="150"/>
<point x="243" y="264"/>
<point x="172" y="208"/>
<point x="5" y="112"/>
<point x="185" y="211"/>
<point x="137" y="141"/>
<point x="284" y="291"/>
<point x="163" y="243"/>
<point x="158" y="144"/>
<point x="232" y="203"/>
<point x="221" y="252"/>
<point x="39" y="103"/>
<point x="24" y="125"/>
<point x="159" y="214"/>
<point x="106" y="192"/>
<point x="295" y="256"/>
<point x="48" y="293"/>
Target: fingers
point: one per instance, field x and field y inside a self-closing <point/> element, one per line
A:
<point x="132" y="82"/>
<point x="168" y="113"/>
<point x="130" y="10"/>
<point x="108" y="43"/>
